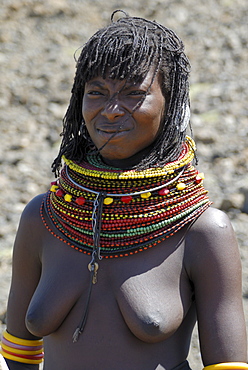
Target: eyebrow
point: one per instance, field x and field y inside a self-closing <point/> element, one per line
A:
<point x="126" y="86"/>
<point x="95" y="83"/>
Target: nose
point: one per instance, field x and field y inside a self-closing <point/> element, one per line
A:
<point x="113" y="109"/>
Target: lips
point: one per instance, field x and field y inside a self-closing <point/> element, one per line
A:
<point x="111" y="134"/>
<point x="112" y="128"/>
<point x="112" y="131"/>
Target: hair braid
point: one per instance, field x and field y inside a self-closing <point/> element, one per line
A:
<point x="127" y="49"/>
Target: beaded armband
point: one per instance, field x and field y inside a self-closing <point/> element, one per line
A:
<point x="227" y="366"/>
<point x="21" y="350"/>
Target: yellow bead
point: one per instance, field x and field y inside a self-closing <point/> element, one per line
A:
<point x="54" y="188"/>
<point x="68" y="197"/>
<point x="146" y="195"/>
<point x="181" y="186"/>
<point x="201" y="175"/>
<point x="108" y="201"/>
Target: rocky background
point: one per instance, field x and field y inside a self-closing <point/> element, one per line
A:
<point x="38" y="39"/>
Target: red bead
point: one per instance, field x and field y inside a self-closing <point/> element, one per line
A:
<point x="59" y="193"/>
<point x="80" y="201"/>
<point x="164" y="191"/>
<point x="198" y="179"/>
<point x="54" y="183"/>
<point x="126" y="199"/>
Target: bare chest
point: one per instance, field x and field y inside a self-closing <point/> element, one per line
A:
<point x="148" y="293"/>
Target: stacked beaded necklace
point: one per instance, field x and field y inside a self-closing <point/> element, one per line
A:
<point x="139" y="209"/>
<point x="107" y="212"/>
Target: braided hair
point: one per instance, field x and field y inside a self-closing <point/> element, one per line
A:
<point x="127" y="49"/>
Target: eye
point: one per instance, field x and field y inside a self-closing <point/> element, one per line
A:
<point x="94" y="93"/>
<point x="137" y="93"/>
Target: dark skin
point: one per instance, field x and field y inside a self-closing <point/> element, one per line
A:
<point x="143" y="307"/>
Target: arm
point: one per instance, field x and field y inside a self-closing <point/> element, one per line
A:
<point x="13" y="365"/>
<point x="26" y="269"/>
<point x="214" y="266"/>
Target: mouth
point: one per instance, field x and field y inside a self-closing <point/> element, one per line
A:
<point x="108" y="131"/>
<point x="112" y="135"/>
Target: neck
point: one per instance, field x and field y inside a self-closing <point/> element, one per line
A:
<point x="127" y="163"/>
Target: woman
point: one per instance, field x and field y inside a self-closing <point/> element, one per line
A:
<point x="114" y="264"/>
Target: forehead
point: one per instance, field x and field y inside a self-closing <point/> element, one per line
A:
<point x="129" y="74"/>
<point x="145" y="82"/>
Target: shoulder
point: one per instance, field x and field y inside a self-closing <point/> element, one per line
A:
<point x="212" y="225"/>
<point x="31" y="212"/>
<point x="211" y="240"/>
<point x="212" y="219"/>
<point x="30" y="228"/>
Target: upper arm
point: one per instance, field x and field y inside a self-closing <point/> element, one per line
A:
<point x="26" y="269"/>
<point x="214" y="266"/>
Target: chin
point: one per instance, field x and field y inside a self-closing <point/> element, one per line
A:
<point x="114" y="155"/>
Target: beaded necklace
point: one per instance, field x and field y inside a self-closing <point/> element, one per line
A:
<point x="107" y="212"/>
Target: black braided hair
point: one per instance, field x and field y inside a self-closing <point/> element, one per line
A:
<point x="126" y="50"/>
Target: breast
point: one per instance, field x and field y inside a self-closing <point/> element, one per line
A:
<point x="63" y="282"/>
<point x="155" y="302"/>
<point x="150" y="292"/>
<point x="152" y="305"/>
<point x="50" y="304"/>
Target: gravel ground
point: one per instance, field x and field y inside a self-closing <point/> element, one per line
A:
<point x="38" y="40"/>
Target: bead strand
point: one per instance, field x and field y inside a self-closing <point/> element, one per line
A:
<point x="140" y="209"/>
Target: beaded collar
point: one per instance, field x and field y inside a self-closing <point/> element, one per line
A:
<point x="139" y="209"/>
<point x="107" y="212"/>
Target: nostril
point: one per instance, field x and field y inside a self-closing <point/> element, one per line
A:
<point x="112" y="111"/>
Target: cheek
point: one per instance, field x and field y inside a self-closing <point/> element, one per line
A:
<point x="85" y="110"/>
<point x="152" y="114"/>
<point x="89" y="109"/>
<point x="154" y="105"/>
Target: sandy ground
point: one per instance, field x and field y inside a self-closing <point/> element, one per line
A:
<point x="38" y="40"/>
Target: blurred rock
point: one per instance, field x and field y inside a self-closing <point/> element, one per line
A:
<point x="235" y="201"/>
